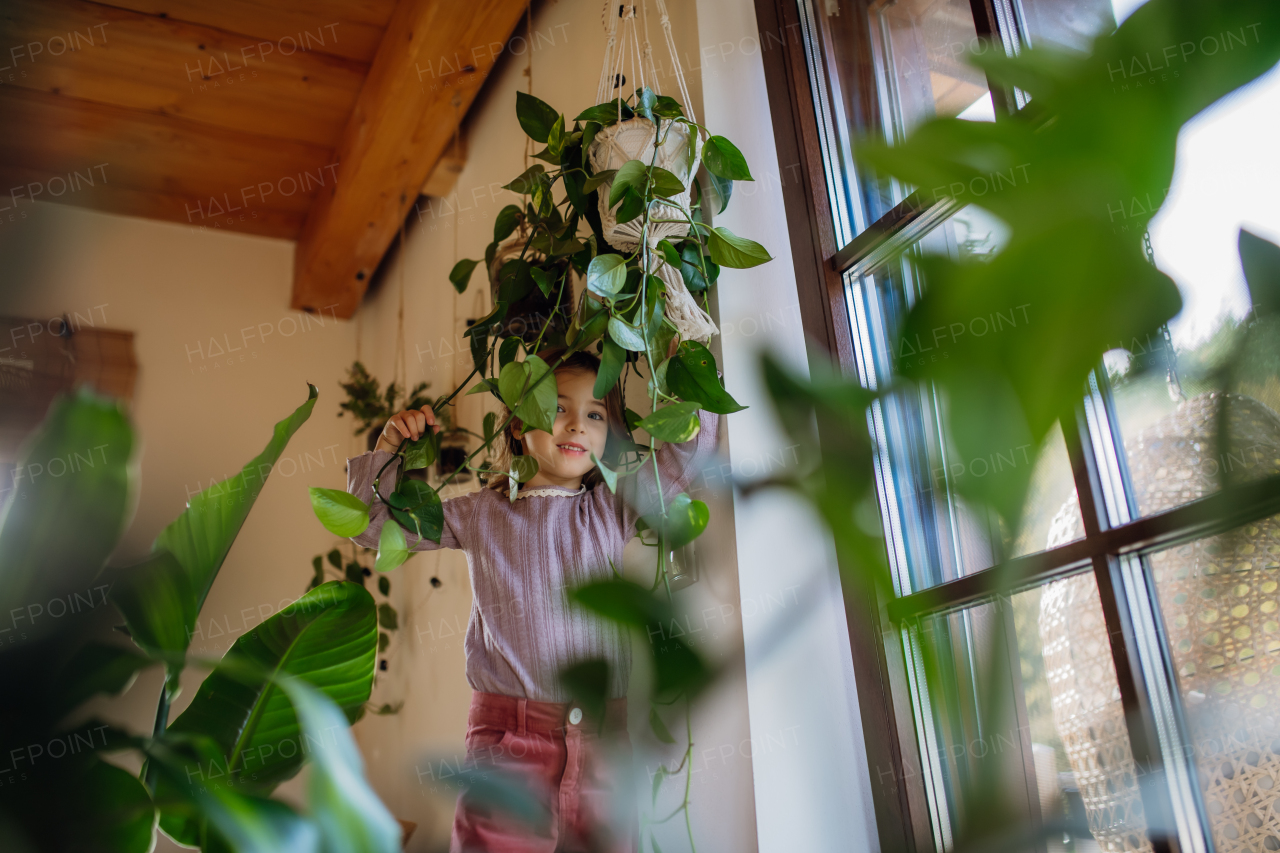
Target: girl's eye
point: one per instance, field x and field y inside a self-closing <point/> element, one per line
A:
<point x="559" y="409"/>
<point x="596" y="415"/>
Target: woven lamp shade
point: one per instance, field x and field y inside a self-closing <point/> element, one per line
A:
<point x="1221" y="609"/>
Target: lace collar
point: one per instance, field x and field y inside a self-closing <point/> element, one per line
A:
<point x="550" y="491"/>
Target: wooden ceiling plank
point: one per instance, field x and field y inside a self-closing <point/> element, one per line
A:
<point x="354" y="27"/>
<point x="211" y="170"/>
<point x="396" y="134"/>
<point x="127" y="59"/>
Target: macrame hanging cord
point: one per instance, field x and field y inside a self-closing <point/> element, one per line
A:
<point x="628" y="58"/>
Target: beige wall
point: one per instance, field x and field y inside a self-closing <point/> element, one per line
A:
<point x="187" y="293"/>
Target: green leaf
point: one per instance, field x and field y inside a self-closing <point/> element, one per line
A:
<point x="417" y="506"/>
<point x="645" y="102"/>
<point x="685" y="520"/>
<point x="663" y="183"/>
<point x="201" y="537"/>
<point x="725" y="160"/>
<point x="626" y="335"/>
<point x="96" y="668"/>
<point x="623" y="602"/>
<point x="598" y="178"/>
<point x="512" y="380"/>
<point x="530" y="179"/>
<point x="490" y="425"/>
<point x="523" y="468"/>
<point x="327" y="638"/>
<point x="669" y="253"/>
<point x="341" y="801"/>
<point x="556" y="139"/>
<point x="729" y="250"/>
<point x="538" y="408"/>
<point x="460" y="275"/>
<point x="721" y="190"/>
<point x="610" y="476"/>
<point x="421" y="453"/>
<point x="113" y="810"/>
<point x="667" y="107"/>
<point x="384" y="585"/>
<point x="676" y="423"/>
<point x="606" y="275"/>
<point x="342" y="513"/>
<point x="632" y="206"/>
<point x="630" y="175"/>
<point x="606" y="113"/>
<point x="159" y="607"/>
<point x="505" y="223"/>
<point x="536" y="117"/>
<point x="392" y="550"/>
<point x="507" y="351"/>
<point x="660" y="730"/>
<point x="612" y="360"/>
<point x="692" y="262"/>
<point x="656" y="785"/>
<point x="691" y="375"/>
<point x="384" y="639"/>
<point x="589" y="132"/>
<point x="57" y="531"/>
<point x="387" y="616"/>
<point x="1261" y="261"/>
<point x="542" y="279"/>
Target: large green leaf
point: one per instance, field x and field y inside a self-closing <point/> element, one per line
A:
<point x="159" y="608"/>
<point x="342" y="513"/>
<point x="691" y="375"/>
<point x="612" y="360"/>
<point x="112" y="810"/>
<point x="392" y="548"/>
<point x="201" y="537"/>
<point x="69" y="505"/>
<point x="340" y="800"/>
<point x="676" y="423"/>
<point x="685" y="520"/>
<point x="328" y="638"/>
<point x="606" y="275"/>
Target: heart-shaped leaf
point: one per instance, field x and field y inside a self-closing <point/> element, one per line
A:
<point x="626" y="335"/>
<point x="676" y="423"/>
<point x="663" y="183"/>
<point x="729" y="250"/>
<point x="606" y="113"/>
<point x="392" y="549"/>
<point x="606" y="275"/>
<point x="505" y="222"/>
<point x="609" y="475"/>
<point x="694" y="260"/>
<point x="725" y="160"/>
<point x="536" y="116"/>
<point x="691" y="375"/>
<point x="538" y="408"/>
<point x="523" y="468"/>
<point x="630" y="176"/>
<point x="342" y="513"/>
<point x="417" y="507"/>
<point x="460" y="275"/>
<point x="593" y="182"/>
<point x="421" y="453"/>
<point x="612" y="359"/>
<point x="685" y="520"/>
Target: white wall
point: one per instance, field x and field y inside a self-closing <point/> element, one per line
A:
<point x="812" y="787"/>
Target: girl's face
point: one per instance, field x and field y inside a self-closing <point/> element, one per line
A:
<point x="582" y="427"/>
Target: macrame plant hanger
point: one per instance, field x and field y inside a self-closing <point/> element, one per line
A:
<point x="635" y="139"/>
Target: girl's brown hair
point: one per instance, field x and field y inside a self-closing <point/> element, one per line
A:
<point x="508" y="445"/>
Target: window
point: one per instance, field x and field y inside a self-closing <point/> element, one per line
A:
<point x="1137" y="691"/>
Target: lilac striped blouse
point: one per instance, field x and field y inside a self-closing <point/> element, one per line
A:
<point x="523" y="557"/>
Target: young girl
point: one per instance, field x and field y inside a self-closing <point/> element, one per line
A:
<point x="565" y="529"/>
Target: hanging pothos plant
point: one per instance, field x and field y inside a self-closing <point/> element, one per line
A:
<point x="634" y="221"/>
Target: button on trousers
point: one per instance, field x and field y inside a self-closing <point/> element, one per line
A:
<point x="570" y="762"/>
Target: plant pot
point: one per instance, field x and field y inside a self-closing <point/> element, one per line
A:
<point x="634" y="139"/>
<point x="530" y="310"/>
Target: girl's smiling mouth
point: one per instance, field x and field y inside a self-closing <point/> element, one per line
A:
<point x="570" y="447"/>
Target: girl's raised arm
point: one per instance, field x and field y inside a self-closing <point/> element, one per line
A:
<point x="679" y="465"/>
<point x="360" y="473"/>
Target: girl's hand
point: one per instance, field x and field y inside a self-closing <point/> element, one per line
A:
<point x="411" y="424"/>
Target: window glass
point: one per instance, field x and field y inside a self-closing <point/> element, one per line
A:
<point x="1220" y="604"/>
<point x="1068" y="23"/>
<point x="1027" y="693"/>
<point x="1166" y="397"/>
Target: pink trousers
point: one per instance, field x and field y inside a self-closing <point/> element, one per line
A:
<point x="570" y="762"/>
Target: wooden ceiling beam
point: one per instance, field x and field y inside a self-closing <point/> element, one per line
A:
<point x="167" y="67"/>
<point x="400" y="127"/>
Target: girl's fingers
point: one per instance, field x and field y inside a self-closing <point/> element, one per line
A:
<point x="431" y="418"/>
